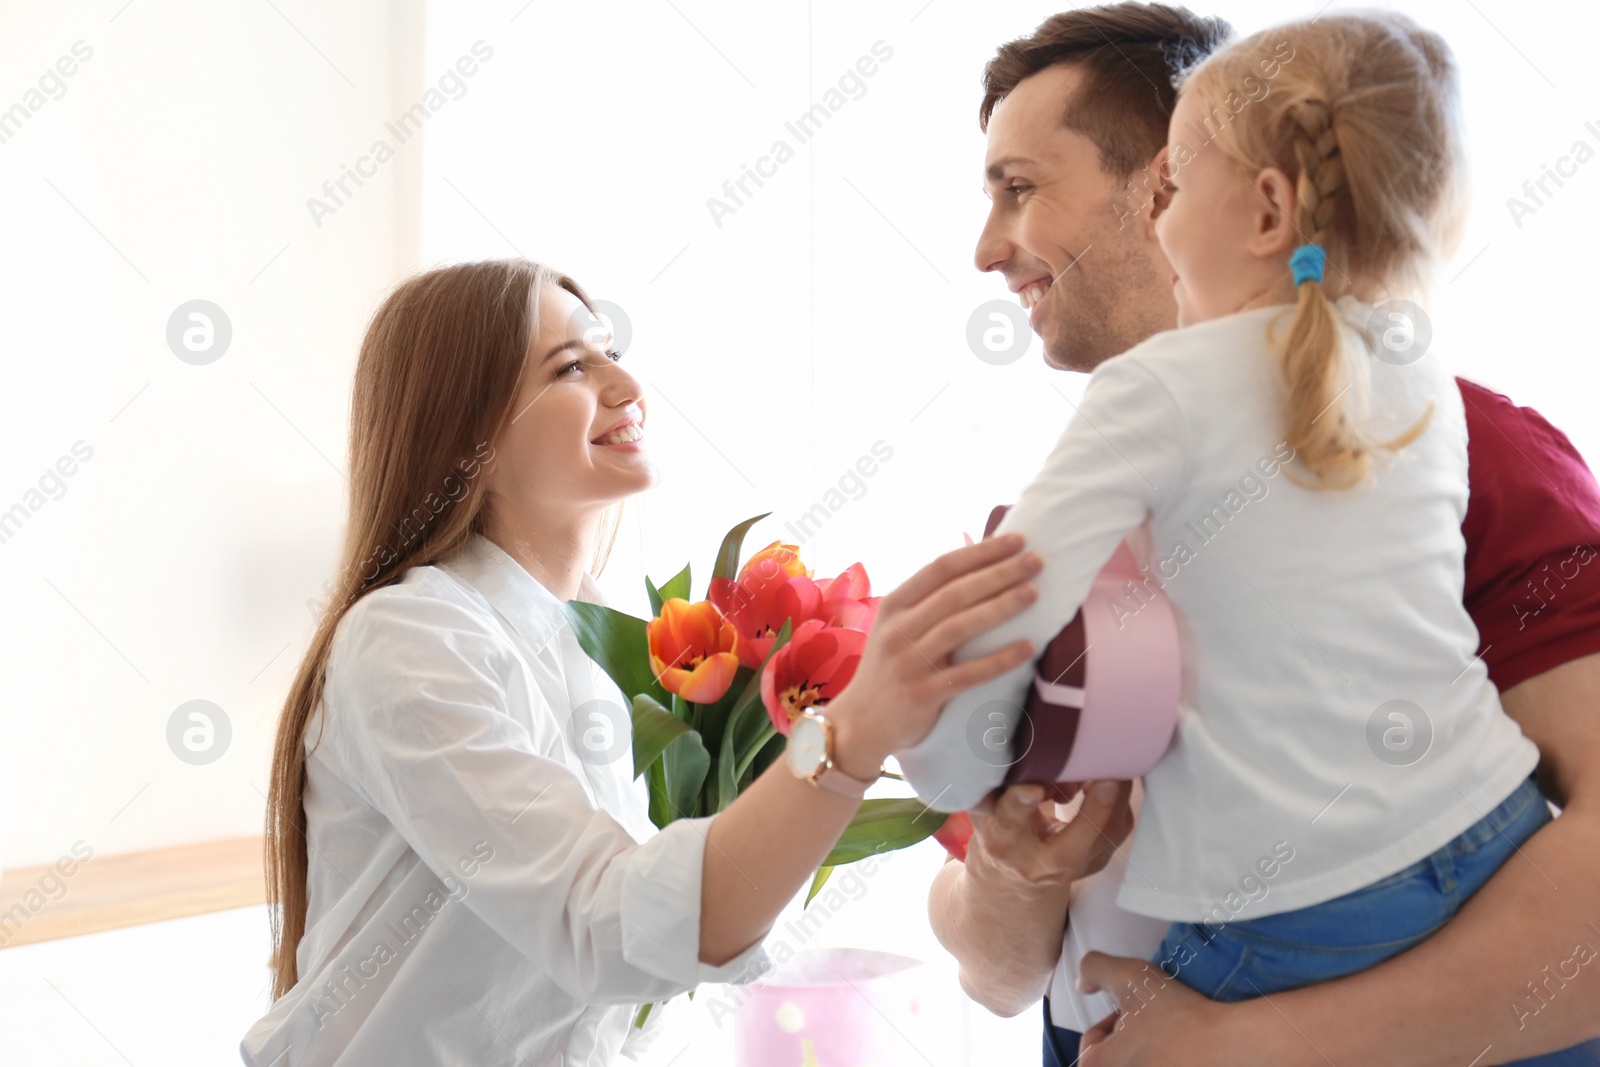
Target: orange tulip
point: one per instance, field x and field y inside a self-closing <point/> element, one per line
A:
<point x="777" y="562"/>
<point x="694" y="651"/>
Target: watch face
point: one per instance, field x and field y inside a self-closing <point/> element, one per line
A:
<point x="805" y="746"/>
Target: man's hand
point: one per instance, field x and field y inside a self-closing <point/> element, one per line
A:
<point x="1002" y="913"/>
<point x="1155" y="1014"/>
<point x="1021" y="847"/>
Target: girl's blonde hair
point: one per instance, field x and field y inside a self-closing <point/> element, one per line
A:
<point x="1362" y="113"/>
<point x="435" y="382"/>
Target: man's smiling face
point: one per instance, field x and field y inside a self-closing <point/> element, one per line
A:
<point x="1069" y="238"/>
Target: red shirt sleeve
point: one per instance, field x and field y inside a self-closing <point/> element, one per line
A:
<point x="1533" y="537"/>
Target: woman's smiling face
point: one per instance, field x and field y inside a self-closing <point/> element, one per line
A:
<point x="575" y="440"/>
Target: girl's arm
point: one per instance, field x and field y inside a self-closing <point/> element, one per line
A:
<point x="1120" y="457"/>
<point x="768" y="843"/>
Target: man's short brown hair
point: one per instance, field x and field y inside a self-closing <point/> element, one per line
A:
<point x="1131" y="55"/>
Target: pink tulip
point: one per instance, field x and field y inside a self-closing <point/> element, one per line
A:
<point x="757" y="606"/>
<point x="808" y="672"/>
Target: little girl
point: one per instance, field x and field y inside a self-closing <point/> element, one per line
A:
<point x="1291" y="466"/>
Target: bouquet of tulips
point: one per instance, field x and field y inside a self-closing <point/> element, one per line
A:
<point x="715" y="684"/>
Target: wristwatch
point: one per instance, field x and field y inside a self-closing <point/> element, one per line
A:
<point x="810" y="752"/>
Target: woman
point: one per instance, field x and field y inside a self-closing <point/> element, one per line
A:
<point x="451" y="876"/>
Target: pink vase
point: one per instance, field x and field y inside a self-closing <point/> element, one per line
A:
<point x="834" y="1007"/>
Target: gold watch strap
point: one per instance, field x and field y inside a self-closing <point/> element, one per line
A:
<point x="832" y="776"/>
<point x="839" y="782"/>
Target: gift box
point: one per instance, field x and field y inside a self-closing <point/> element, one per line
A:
<point x="1103" y="702"/>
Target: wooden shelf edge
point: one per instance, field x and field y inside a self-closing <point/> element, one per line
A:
<point x="82" y="896"/>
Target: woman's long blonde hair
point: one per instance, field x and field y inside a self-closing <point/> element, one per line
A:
<point x="1364" y="117"/>
<point x="435" y="381"/>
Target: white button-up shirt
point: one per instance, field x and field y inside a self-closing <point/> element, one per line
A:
<point x="478" y="888"/>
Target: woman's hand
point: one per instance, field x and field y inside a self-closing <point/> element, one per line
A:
<point x="905" y="676"/>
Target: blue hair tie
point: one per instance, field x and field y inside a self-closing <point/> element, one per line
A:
<point x="1307" y="262"/>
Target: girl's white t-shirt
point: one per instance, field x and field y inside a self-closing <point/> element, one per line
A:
<point x="1333" y="705"/>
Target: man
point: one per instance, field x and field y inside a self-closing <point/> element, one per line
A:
<point x="1076" y="116"/>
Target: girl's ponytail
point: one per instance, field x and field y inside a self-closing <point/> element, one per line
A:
<point x="1318" y="378"/>
<point x="1361" y="110"/>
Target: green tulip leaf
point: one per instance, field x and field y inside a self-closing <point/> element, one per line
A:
<point x="655" y="777"/>
<point x="677" y="588"/>
<point x="745" y="730"/>
<point x="674" y="780"/>
<point x="727" y="564"/>
<point x="617" y="642"/>
<point x="884" y="824"/>
<point x="817" y="882"/>
<point x="767" y="753"/>
<point x="686" y="762"/>
<point x="654" y="728"/>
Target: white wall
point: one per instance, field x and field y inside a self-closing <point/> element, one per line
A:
<point x="177" y="563"/>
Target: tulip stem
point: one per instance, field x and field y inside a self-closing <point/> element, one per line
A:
<point x="768" y="732"/>
<point x="891" y="774"/>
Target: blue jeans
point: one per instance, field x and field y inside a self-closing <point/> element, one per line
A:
<point x="1248" y="958"/>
